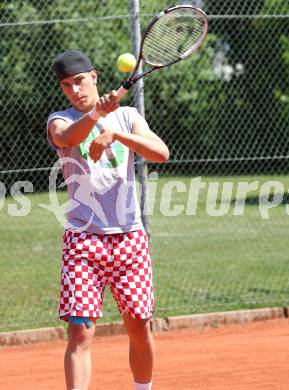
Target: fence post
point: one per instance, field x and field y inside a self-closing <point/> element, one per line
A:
<point x="139" y="103"/>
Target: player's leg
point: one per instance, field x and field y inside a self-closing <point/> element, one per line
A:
<point x="131" y="286"/>
<point x="77" y="359"/>
<point x="141" y="349"/>
<point x="82" y="288"/>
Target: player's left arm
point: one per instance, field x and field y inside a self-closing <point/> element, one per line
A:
<point x="141" y="140"/>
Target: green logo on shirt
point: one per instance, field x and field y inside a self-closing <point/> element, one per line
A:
<point x="112" y="156"/>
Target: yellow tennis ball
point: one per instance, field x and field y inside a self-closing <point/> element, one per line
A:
<point x="126" y="62"/>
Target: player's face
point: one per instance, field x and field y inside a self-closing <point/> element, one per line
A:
<point x="80" y="90"/>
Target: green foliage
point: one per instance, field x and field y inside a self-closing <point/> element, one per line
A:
<point x="282" y="94"/>
<point x="272" y="7"/>
<point x="190" y="104"/>
<point x="200" y="102"/>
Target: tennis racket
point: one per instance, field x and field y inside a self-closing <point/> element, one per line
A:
<point x="173" y="35"/>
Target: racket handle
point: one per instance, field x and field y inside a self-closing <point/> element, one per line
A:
<point x="121" y="92"/>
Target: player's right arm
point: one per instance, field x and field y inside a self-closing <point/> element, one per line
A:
<point x="66" y="134"/>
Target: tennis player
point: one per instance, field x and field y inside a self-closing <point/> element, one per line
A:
<point x="104" y="241"/>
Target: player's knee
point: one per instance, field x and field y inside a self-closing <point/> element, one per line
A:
<point x="79" y="338"/>
<point x="138" y="330"/>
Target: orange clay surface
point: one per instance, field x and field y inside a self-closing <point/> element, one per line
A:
<point x="251" y="356"/>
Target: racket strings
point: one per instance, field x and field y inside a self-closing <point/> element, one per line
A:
<point x="173" y="35"/>
<point x="167" y="47"/>
<point x="174" y="41"/>
<point x="170" y="47"/>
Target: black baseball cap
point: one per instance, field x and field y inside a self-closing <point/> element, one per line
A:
<point x="70" y="63"/>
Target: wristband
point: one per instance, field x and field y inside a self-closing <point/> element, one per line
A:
<point x="93" y="114"/>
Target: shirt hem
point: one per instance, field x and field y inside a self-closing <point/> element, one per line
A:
<point x="112" y="230"/>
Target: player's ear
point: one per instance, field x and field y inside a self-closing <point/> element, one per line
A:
<point x="94" y="76"/>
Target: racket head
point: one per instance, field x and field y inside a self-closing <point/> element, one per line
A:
<point x="173" y="35"/>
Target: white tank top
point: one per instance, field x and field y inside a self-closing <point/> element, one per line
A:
<point x="102" y="196"/>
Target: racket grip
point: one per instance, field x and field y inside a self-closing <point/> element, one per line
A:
<point x="121" y="92"/>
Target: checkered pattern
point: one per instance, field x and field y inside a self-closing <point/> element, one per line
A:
<point x="90" y="262"/>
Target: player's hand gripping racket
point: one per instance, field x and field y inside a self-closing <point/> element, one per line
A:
<point x="173" y="35"/>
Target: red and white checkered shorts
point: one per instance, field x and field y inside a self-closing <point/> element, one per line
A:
<point x="90" y="262"/>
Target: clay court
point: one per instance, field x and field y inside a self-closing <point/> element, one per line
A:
<point x="249" y="356"/>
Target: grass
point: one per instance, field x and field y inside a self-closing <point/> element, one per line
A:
<point x="201" y="263"/>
